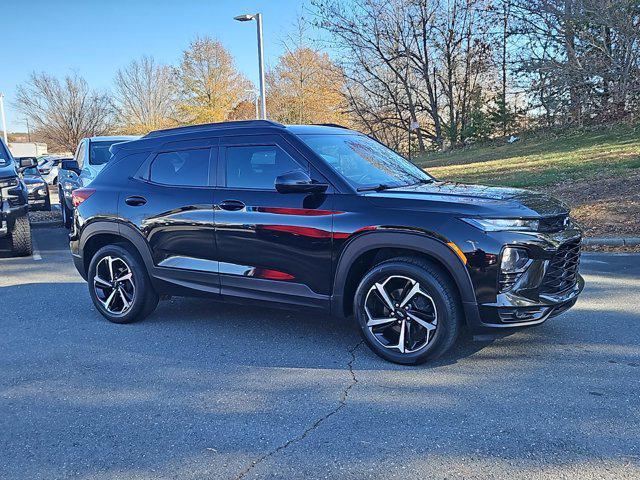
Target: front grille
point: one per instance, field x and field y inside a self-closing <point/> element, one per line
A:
<point x="553" y="224"/>
<point x="562" y="270"/>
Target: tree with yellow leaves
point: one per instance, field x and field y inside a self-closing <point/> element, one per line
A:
<point x="305" y="87"/>
<point x="210" y="85"/>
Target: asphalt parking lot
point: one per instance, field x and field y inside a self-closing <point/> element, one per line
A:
<point x="207" y="390"/>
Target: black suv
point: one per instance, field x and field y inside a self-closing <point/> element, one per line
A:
<point x="14" y="222"/>
<point x="323" y="217"/>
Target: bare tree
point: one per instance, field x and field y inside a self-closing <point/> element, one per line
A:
<point x="424" y="61"/>
<point x="64" y="112"/>
<point x="145" y="96"/>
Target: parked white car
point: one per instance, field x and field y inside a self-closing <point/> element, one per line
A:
<point x="49" y="168"/>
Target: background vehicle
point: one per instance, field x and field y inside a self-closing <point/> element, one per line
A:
<point x="49" y="168"/>
<point x="14" y="222"/>
<point x="326" y="218"/>
<point x="90" y="158"/>
<point x="36" y="187"/>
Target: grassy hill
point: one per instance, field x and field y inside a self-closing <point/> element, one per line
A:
<point x="596" y="172"/>
<point x="543" y="159"/>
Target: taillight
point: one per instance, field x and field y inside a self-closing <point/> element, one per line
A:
<point x="80" y="195"/>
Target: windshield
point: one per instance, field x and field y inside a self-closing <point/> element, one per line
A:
<point x="365" y="162"/>
<point x="99" y="151"/>
<point x="30" y="171"/>
<point x="4" y="155"/>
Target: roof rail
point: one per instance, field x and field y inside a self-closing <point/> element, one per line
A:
<point x="208" y="126"/>
<point x="331" y="125"/>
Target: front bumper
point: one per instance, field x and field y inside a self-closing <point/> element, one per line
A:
<point x="38" y="198"/>
<point x="532" y="299"/>
<point x="513" y="310"/>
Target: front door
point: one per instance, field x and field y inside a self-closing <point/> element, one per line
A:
<point x="271" y="245"/>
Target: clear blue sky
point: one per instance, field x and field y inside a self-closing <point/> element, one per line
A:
<point x="96" y="37"/>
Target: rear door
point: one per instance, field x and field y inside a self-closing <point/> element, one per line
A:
<point x="271" y="245"/>
<point x="172" y="205"/>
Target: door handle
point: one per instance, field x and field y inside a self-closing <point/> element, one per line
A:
<point x="232" y="205"/>
<point x="135" y="201"/>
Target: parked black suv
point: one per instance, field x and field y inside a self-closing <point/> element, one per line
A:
<point x="14" y="222"/>
<point x="322" y="217"/>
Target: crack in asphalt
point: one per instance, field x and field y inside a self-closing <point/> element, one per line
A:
<point x="341" y="404"/>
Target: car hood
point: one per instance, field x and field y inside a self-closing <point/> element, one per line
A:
<point x="473" y="200"/>
<point x="31" y="180"/>
<point x="7" y="171"/>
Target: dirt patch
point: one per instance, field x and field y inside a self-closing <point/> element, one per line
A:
<point x="608" y="206"/>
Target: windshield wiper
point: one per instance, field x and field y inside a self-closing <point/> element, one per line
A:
<point x="375" y="188"/>
<point x="422" y="181"/>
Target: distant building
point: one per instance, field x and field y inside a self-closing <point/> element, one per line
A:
<point x="27" y="149"/>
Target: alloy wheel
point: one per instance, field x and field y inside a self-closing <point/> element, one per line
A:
<point x="400" y="314"/>
<point x="113" y="285"/>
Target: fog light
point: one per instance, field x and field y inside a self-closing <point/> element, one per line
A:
<point x="514" y="260"/>
<point x="513" y="263"/>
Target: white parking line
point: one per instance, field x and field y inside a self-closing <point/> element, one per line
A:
<point x="36" y="251"/>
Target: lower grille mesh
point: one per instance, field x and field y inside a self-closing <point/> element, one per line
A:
<point x="562" y="271"/>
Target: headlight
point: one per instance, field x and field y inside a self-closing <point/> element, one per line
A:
<point x="12" y="182"/>
<point x="502" y="224"/>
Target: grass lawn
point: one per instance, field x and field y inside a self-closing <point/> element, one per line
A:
<point x="596" y="172"/>
<point x="541" y="160"/>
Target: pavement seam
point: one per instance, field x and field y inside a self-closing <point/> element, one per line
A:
<point x="298" y="438"/>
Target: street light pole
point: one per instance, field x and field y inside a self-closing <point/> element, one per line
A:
<point x="4" y="120"/>
<point x="258" y="18"/>
<point x="263" y="98"/>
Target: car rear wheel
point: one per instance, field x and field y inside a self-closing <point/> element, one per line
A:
<point x="20" y="237"/>
<point x="407" y="310"/>
<point x="119" y="285"/>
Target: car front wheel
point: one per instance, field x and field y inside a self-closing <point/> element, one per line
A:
<point x="119" y="285"/>
<point x="20" y="237"/>
<point x="408" y="310"/>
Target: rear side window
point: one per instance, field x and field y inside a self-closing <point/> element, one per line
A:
<point x="183" y="167"/>
<point x="257" y="166"/>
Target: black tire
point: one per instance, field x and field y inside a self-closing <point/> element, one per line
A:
<point x="20" y="237"/>
<point x="143" y="301"/>
<point x="436" y="293"/>
<point x="66" y="214"/>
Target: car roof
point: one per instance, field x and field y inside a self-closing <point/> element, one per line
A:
<point x="107" y="138"/>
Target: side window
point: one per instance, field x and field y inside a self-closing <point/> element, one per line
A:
<point x="80" y="153"/>
<point x="183" y="167"/>
<point x="257" y="166"/>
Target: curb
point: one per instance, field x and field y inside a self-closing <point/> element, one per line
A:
<point x="612" y="241"/>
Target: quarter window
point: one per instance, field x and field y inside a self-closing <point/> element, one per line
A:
<point x="183" y="167"/>
<point x="257" y="166"/>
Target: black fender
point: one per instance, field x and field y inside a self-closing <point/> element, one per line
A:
<point x="113" y="228"/>
<point x="421" y="243"/>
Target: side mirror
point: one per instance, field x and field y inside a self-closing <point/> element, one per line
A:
<point x="27" y="162"/>
<point x="71" y="165"/>
<point x="298" y="181"/>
